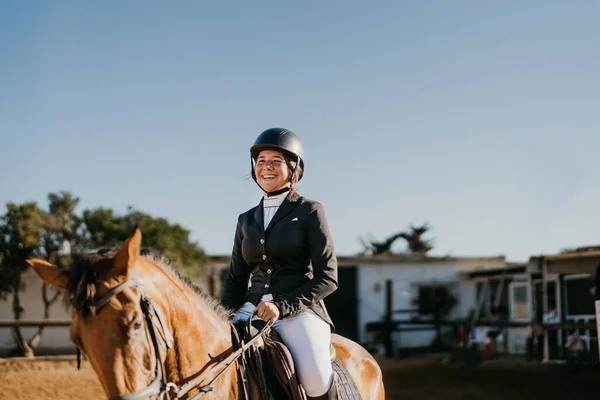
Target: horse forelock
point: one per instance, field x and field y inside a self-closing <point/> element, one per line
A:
<point x="82" y="280"/>
<point x="92" y="268"/>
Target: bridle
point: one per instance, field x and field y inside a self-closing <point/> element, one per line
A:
<point x="160" y="386"/>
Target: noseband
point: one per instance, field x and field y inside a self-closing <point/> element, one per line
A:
<point x="160" y="386"/>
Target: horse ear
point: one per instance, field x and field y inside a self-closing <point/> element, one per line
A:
<point x="129" y="251"/>
<point x="49" y="272"/>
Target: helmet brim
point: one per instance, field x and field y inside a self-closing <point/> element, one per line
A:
<point x="255" y="151"/>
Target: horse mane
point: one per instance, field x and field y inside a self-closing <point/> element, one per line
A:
<point x="92" y="268"/>
<point x="159" y="259"/>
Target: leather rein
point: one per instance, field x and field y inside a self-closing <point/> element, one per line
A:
<point x="160" y="385"/>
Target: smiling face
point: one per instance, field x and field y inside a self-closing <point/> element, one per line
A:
<point x="272" y="172"/>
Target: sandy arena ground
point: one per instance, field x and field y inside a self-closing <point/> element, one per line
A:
<point x="415" y="378"/>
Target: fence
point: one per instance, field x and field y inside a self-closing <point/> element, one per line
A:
<point x="33" y="323"/>
<point x="384" y="330"/>
<point x="54" y="340"/>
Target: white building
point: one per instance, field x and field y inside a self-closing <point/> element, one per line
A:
<point x="361" y="295"/>
<point x="553" y="289"/>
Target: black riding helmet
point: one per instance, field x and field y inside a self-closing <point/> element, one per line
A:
<point x="282" y="140"/>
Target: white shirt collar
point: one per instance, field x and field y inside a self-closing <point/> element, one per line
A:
<point x="274" y="201"/>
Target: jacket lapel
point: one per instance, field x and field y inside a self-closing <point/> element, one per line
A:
<point x="259" y="215"/>
<point x="286" y="207"/>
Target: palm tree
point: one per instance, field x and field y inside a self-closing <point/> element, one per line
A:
<point x="414" y="237"/>
<point x="383" y="247"/>
<point x="416" y="243"/>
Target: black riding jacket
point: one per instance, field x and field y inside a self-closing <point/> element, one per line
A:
<point x="294" y="258"/>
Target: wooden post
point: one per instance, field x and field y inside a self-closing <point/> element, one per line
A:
<point x="545" y="306"/>
<point x="531" y="298"/>
<point x="597" y="308"/>
<point x="389" y="351"/>
<point x="596" y="281"/>
<point x="559" y="314"/>
<point x="212" y="290"/>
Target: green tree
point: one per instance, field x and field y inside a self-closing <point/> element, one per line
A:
<point x="62" y="233"/>
<point x="107" y="229"/>
<point x="61" y="236"/>
<point x="21" y="232"/>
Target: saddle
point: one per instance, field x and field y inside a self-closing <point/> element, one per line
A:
<point x="267" y="367"/>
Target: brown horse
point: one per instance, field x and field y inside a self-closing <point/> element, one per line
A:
<point x="146" y="329"/>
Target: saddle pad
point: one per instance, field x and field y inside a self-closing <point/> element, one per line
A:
<point x="347" y="390"/>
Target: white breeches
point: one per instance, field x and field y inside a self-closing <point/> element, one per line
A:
<point x="308" y="338"/>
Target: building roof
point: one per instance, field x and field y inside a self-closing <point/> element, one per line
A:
<point x="583" y="260"/>
<point x="509" y="270"/>
<point x="397" y="259"/>
<point x="572" y="255"/>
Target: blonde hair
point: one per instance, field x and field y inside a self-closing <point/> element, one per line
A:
<point x="297" y="171"/>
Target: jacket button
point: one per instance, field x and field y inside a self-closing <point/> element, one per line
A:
<point x="264" y="257"/>
<point x="269" y="271"/>
<point x="262" y="241"/>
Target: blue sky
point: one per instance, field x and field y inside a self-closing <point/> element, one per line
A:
<point x="480" y="118"/>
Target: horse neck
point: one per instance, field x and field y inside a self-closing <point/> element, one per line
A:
<point x="201" y="337"/>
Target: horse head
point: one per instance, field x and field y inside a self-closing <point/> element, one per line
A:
<point x="125" y="309"/>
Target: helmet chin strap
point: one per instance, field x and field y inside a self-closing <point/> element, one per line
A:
<point x="276" y="192"/>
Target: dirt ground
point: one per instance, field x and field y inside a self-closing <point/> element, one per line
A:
<point x="48" y="378"/>
<point x="420" y="378"/>
<point x="424" y="379"/>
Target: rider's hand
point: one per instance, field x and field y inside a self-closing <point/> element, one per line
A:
<point x="267" y="311"/>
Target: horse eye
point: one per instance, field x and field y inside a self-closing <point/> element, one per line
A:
<point x="135" y="325"/>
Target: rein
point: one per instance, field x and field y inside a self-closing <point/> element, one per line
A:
<point x="160" y="385"/>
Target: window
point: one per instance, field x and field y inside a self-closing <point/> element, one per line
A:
<point x="519" y="301"/>
<point x="492" y="297"/>
<point x="579" y="298"/>
<point x="521" y="305"/>
<point x="435" y="299"/>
